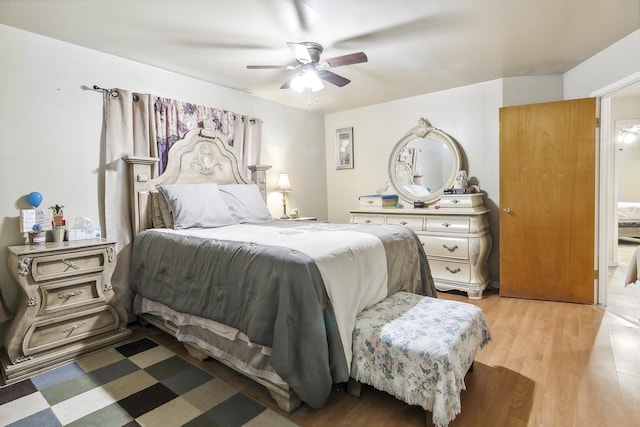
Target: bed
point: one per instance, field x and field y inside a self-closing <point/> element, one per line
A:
<point x="274" y="299"/>
<point x="629" y="221"/>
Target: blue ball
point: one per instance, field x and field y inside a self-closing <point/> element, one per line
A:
<point x="35" y="199"/>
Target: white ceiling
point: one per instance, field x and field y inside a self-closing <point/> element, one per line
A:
<point x="414" y="46"/>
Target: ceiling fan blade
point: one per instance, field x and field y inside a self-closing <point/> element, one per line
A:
<point x="272" y="67"/>
<point x="333" y="78"/>
<point x="266" y="67"/>
<point x="353" y="58"/>
<point x="300" y="51"/>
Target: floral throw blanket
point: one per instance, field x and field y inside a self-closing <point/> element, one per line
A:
<point x="419" y="350"/>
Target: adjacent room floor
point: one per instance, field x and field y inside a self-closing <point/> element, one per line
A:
<point x="623" y="302"/>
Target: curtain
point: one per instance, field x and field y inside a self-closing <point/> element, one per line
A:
<point x="248" y="141"/>
<point x="173" y="119"/>
<point x="146" y="125"/>
<point x="129" y="131"/>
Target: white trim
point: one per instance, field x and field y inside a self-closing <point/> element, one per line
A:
<point x="617" y="86"/>
<point x="605" y="168"/>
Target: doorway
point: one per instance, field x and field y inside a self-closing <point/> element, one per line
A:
<point x="620" y="106"/>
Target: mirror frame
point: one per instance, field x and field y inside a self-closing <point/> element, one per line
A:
<point x="422" y="130"/>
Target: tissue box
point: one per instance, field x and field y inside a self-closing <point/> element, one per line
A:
<point x="83" y="233"/>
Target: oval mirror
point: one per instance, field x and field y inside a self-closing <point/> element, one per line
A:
<point x="424" y="163"/>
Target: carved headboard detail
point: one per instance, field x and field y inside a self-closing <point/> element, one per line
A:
<point x="201" y="156"/>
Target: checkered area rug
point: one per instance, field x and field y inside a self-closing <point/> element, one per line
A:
<point x="136" y="384"/>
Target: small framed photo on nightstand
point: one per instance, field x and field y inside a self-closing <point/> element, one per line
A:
<point x="344" y="148"/>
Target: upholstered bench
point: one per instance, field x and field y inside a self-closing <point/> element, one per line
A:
<point x="418" y="349"/>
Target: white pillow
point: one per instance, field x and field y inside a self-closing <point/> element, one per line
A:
<point x="245" y="202"/>
<point x="196" y="206"/>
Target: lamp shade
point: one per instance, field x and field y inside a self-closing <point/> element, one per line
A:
<point x="283" y="182"/>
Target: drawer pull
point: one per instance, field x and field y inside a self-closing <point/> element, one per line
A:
<point x="70" y="265"/>
<point x="70" y="294"/>
<point x="370" y="202"/>
<point x="455" y="201"/>
<point x="367" y="221"/>
<point x="403" y="223"/>
<point x="450" y="248"/>
<point x="72" y="328"/>
<point x="453" y="270"/>
<point x="446" y="224"/>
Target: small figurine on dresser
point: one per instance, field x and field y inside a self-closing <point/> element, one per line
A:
<point x="461" y="185"/>
<point x="58" y="222"/>
<point x="461" y="180"/>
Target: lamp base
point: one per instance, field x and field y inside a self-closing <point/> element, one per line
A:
<point x="285" y="217"/>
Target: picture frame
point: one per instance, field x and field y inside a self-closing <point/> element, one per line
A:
<point x="344" y="148"/>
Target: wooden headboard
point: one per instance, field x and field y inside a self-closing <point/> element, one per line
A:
<point x="200" y="157"/>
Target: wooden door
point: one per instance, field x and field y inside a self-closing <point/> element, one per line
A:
<point x="547" y="200"/>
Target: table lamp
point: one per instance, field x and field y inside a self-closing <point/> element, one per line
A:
<point x="285" y="187"/>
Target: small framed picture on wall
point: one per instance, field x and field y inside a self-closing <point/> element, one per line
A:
<point x="344" y="148"/>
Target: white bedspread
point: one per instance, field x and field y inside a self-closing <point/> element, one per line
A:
<point x="629" y="211"/>
<point x="333" y="252"/>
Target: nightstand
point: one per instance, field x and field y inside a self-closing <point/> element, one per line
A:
<point x="67" y="305"/>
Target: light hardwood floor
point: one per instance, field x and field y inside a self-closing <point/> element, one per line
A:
<point x="548" y="364"/>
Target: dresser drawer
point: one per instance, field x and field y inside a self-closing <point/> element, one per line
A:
<point x="461" y="200"/>
<point x="47" y="334"/>
<point x="450" y="270"/>
<point x="71" y="294"/>
<point x="367" y="219"/>
<point x="67" y="264"/>
<point x="448" y="224"/>
<point x="446" y="247"/>
<point x="414" y="223"/>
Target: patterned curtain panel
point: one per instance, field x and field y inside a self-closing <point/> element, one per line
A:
<point x="174" y="118"/>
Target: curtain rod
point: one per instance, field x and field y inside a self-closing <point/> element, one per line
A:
<point x="112" y="92"/>
<point x="115" y="93"/>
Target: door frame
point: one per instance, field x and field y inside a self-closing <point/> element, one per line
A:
<point x="605" y="187"/>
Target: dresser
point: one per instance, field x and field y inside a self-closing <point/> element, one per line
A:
<point x="455" y="235"/>
<point x="67" y="305"/>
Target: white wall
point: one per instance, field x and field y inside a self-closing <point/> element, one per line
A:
<point x="627" y="161"/>
<point x="51" y="130"/>
<point x="532" y="89"/>
<point x="611" y="65"/>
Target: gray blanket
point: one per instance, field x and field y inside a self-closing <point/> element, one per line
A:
<point x="277" y="299"/>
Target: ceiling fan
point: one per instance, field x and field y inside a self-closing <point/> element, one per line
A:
<point x="311" y="70"/>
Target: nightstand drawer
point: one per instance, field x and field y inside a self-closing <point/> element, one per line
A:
<point x="450" y="270"/>
<point x="47" y="334"/>
<point x="71" y="294"/>
<point x="446" y="247"/>
<point x="447" y="224"/>
<point x="414" y="223"/>
<point x="67" y="264"/>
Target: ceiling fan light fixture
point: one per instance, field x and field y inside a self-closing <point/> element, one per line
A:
<point x="308" y="79"/>
<point x="312" y="81"/>
<point x="297" y="83"/>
